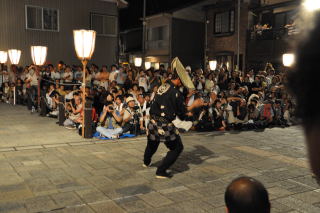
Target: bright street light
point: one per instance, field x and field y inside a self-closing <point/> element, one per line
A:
<point x="288" y="59"/>
<point x="311" y="5"/>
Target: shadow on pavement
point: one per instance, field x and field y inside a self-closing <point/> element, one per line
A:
<point x="195" y="157"/>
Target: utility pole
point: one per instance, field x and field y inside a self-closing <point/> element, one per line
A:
<point x="144" y="25"/>
<point x="206" y="22"/>
<point x="238" y="41"/>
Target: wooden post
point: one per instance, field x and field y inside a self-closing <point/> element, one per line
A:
<point x="61" y="115"/>
<point x="84" y="64"/>
<point x="88" y="119"/>
<point x="39" y="85"/>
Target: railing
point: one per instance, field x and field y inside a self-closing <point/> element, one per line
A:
<point x="271" y="34"/>
<point x="159" y="44"/>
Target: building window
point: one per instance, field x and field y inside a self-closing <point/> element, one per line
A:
<point x="105" y="25"/>
<point x="224" y="22"/>
<point x="158" y="37"/>
<point x="39" y="18"/>
<point x="158" y="33"/>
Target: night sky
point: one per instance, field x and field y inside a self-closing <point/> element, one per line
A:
<point x="130" y="17"/>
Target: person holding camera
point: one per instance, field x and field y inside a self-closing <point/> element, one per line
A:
<point x="132" y="119"/>
<point x="74" y="107"/>
<point x="110" y="120"/>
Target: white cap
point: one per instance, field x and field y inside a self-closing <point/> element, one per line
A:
<point x="188" y="68"/>
<point x="129" y="99"/>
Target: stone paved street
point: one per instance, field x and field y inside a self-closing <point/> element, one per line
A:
<point x="53" y="170"/>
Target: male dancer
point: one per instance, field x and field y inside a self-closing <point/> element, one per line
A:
<point x="167" y="105"/>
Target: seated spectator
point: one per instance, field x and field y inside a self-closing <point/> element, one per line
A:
<point x="247" y="195"/>
<point x="217" y="116"/>
<point x="74" y="116"/>
<point x="110" y="120"/>
<point x="52" y="99"/>
<point x="266" y="114"/>
<point x="6" y="92"/>
<point x="242" y="111"/>
<point x="253" y="111"/>
<point x="132" y="119"/>
<point x="61" y="90"/>
<point x="144" y="108"/>
<point x="118" y="104"/>
<point x="278" y="118"/>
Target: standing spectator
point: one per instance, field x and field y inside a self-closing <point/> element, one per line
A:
<point x="77" y="76"/>
<point x="13" y="74"/>
<point x="113" y="73"/>
<point x="19" y="91"/>
<point x="55" y="75"/>
<point x="143" y="80"/>
<point x="209" y="83"/>
<point x="32" y="80"/>
<point x="155" y="80"/>
<point x="103" y="77"/>
<point x="67" y="76"/>
<point x="121" y="77"/>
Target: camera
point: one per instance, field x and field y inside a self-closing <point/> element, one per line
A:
<point x="71" y="101"/>
<point x="111" y="108"/>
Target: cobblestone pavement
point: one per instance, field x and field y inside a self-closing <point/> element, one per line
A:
<point x="19" y="129"/>
<point x="107" y="176"/>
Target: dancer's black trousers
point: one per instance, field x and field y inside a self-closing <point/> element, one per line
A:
<point x="175" y="148"/>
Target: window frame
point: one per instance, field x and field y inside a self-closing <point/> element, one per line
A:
<point x="107" y="15"/>
<point x="229" y="20"/>
<point x="42" y="19"/>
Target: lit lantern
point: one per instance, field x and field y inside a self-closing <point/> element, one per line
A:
<point x="157" y="66"/>
<point x="288" y="59"/>
<point x="138" y="62"/>
<point x="147" y="65"/>
<point x="14" y="56"/>
<point x="84" y="42"/>
<point x="3" y="57"/>
<point x="213" y="65"/>
<point x="39" y="54"/>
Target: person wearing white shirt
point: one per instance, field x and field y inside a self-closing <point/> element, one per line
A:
<point x="55" y="75"/>
<point x="67" y="75"/>
<point x="143" y="80"/>
<point x="23" y="75"/>
<point x="113" y="73"/>
<point x="78" y="74"/>
<point x="32" y="91"/>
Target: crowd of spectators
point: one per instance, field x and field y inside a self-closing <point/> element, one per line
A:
<point x="121" y="96"/>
